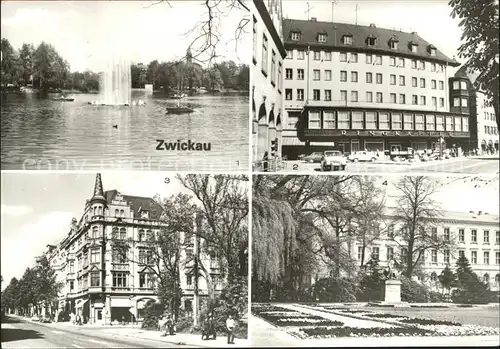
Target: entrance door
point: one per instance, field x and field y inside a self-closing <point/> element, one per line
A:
<point x="341" y="147"/>
<point x="98" y="316"/>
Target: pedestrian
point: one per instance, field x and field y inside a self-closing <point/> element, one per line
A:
<point x="213" y="331"/>
<point x="206" y="329"/>
<point x="266" y="162"/>
<point x="230" y="329"/>
<point x="162" y="325"/>
<point x="170" y="324"/>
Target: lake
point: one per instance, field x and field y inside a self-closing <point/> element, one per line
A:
<point x="41" y="134"/>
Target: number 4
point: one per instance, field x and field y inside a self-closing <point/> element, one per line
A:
<point x="384" y="183"/>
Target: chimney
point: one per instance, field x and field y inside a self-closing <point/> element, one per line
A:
<point x="313" y="19"/>
<point x="372" y="25"/>
<point x="479" y="213"/>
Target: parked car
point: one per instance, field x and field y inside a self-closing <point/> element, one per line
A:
<point x="313" y="157"/>
<point x="35" y="318"/>
<point x="333" y="159"/>
<point x="363" y="156"/>
<point x="45" y="319"/>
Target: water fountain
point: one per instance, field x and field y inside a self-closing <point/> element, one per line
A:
<point x="115" y="83"/>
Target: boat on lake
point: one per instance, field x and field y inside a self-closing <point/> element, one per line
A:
<point x="179" y="96"/>
<point x="179" y="110"/>
<point x="64" y="99"/>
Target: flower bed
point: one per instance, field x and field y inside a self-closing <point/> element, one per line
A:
<point x="306" y="321"/>
<point x="329" y="332"/>
<point x="348" y="311"/>
<point x="260" y="308"/>
<point x="420" y="321"/>
<point x="384" y="316"/>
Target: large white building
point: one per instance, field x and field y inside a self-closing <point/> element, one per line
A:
<point x="266" y="79"/>
<point x="357" y="87"/>
<point x="104" y="286"/>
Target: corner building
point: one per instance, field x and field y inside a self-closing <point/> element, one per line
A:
<point x="266" y="79"/>
<point x="353" y="87"/>
<point x="104" y="287"/>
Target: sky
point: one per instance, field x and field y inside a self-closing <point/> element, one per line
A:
<point x="81" y="31"/>
<point x="429" y="18"/>
<point x="37" y="208"/>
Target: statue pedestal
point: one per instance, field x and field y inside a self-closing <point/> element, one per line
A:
<point x="392" y="293"/>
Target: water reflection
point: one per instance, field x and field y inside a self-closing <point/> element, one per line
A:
<point x="44" y="134"/>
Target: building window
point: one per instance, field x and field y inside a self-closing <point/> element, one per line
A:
<point x="441" y="102"/>
<point x="370" y="41"/>
<point x="401" y="80"/>
<point x="378" y="60"/>
<point x="343" y="120"/>
<point x="369" y="59"/>
<point x="392" y="61"/>
<point x="264" y="54"/>
<point x="423" y="100"/>
<point x="433" y="84"/>
<point x="119" y="279"/>
<point x="354" y="58"/>
<point x="378" y="78"/>
<point x="464" y="102"/>
<point x="328" y="56"/>
<point x="390" y="253"/>
<point x="392" y="79"/>
<point x="439" y="123"/>
<point x="369" y="78"/>
<point x="422" y="65"/>
<point x="316" y="74"/>
<point x="295" y="36"/>
<point x="316" y="55"/>
<point x="288" y="73"/>
<point x="461" y="235"/>
<point x="456" y="102"/>
<point x="497" y="258"/>
<point x="408" y="121"/>
<point x="300" y="74"/>
<point x="441" y="85"/>
<point x="328" y="95"/>
<point x="434" y="102"/>
<point x="414" y="82"/>
<point x="461" y="254"/>
<point x="401" y="63"/>
<point x="414" y="64"/>
<point x="369" y="97"/>
<point x="144" y="281"/>
<point x="289" y="54"/>
<point x="497" y="237"/>
<point x="393" y="98"/>
<point x="314" y="120"/>
<point x="300" y="94"/>
<point x="357" y="120"/>
<point x="254" y="50"/>
<point x="434" y="256"/>
<point x="447" y="234"/>
<point x="328" y="75"/>
<point x="376" y="253"/>
<point x="301" y="54"/>
<point x="486" y="237"/>
<point x="383" y="121"/>
<point x="486" y="258"/>
<point x="347" y="40"/>
<point x="465" y="124"/>
<point x="422" y="82"/>
<point x="434" y="276"/>
<point x="71" y="285"/>
<point x="321" y="37"/>
<point x="117" y="212"/>
<point x="396" y="121"/>
<point x="371" y="120"/>
<point x="473" y="236"/>
<point x="402" y="98"/>
<point x="95" y="256"/>
<point x="434" y="233"/>
<point x="71" y="266"/>
<point x="380" y="97"/>
<point x="463" y="85"/>
<point x="343" y="95"/>
<point x="288" y="94"/>
<point x="354" y="76"/>
<point x="433" y="53"/>
<point x="328" y="119"/>
<point x="446" y="256"/>
<point x="316" y="95"/>
<point x="393" y="45"/>
<point x="343" y="75"/>
<point x="414" y="99"/>
<point x="343" y="57"/>
<point x="456" y="85"/>
<point x="123" y="234"/>
<point x="94" y="279"/>
<point x="360" y="252"/>
<point x="430" y="123"/>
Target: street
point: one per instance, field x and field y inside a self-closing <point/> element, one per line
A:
<point x="463" y="165"/>
<point x="20" y="333"/>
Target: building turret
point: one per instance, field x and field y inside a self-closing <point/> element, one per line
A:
<point x="98" y="201"/>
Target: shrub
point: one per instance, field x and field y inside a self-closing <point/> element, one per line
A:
<point x="436" y="297"/>
<point x="429" y="322"/>
<point x="334" y="290"/>
<point x="470" y="289"/>
<point x="371" y="286"/>
<point x="152" y="312"/>
<point x="413" y="292"/>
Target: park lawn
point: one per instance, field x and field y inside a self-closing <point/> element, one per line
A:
<point x="481" y="316"/>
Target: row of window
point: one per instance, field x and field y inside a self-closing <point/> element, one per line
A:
<point x="358" y="120"/>
<point x="489" y="116"/>
<point x="352" y="57"/>
<point x="276" y="64"/>
<point x="119" y="280"/>
<point x="459" y="85"/>
<point x="370" y="41"/>
<point x="473" y="236"/>
<point x="491" y="130"/>
<point x="486" y="257"/>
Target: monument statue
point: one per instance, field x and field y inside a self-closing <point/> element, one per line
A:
<point x="390" y="273"/>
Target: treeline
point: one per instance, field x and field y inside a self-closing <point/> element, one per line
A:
<point x="37" y="290"/>
<point x="188" y="76"/>
<point x="45" y="69"/>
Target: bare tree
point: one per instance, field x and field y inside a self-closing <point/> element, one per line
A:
<point x="415" y="215"/>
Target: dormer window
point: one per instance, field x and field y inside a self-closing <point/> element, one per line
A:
<point x="145" y="214"/>
<point x="295" y="36"/>
<point x="347" y="39"/>
<point x="371" y="40"/>
<point x="321" y="37"/>
<point x="413" y="46"/>
<point x="393" y="44"/>
<point x="432" y="50"/>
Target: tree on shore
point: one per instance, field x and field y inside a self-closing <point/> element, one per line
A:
<point x="470" y="289"/>
<point x="446" y="278"/>
<point x="479" y="23"/>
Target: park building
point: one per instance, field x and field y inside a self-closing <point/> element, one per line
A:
<point x="353" y="87"/>
<point x="483" y="125"/>
<point x="106" y="287"/>
<point x="266" y="78"/>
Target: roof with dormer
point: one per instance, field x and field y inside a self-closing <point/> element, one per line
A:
<point x="137" y="204"/>
<point x="309" y="30"/>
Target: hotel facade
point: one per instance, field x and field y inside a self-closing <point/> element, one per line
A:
<point x="106" y="287"/>
<point x="266" y="79"/>
<point x="353" y="87"/>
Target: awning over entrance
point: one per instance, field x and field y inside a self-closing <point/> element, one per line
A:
<point x="80" y="303"/>
<point x="292" y="141"/>
<point x="121" y="302"/>
<point x="322" y="144"/>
